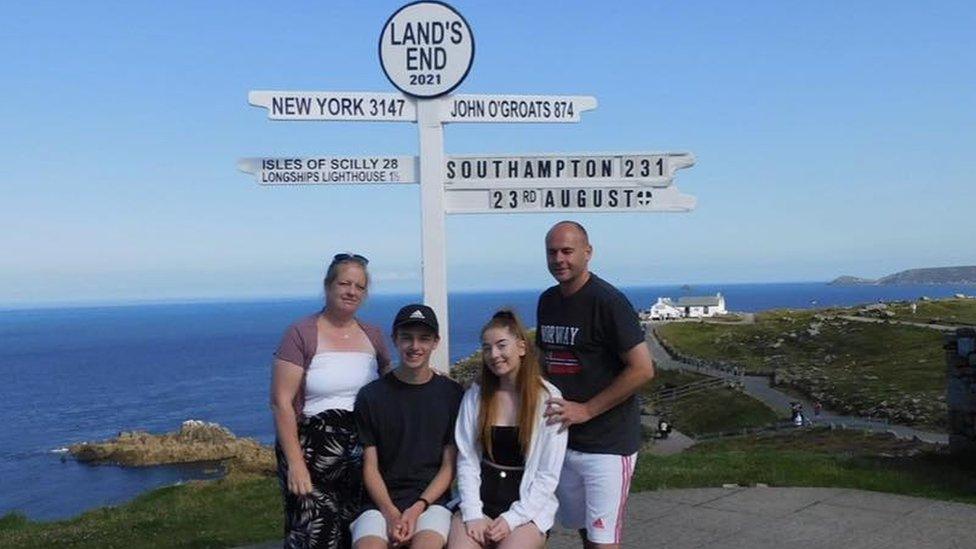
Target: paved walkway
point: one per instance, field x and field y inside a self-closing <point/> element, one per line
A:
<point x="758" y="388"/>
<point x="676" y="442"/>
<point x="784" y="518"/>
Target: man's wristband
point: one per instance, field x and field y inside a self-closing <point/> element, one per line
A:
<point x="425" y="502"/>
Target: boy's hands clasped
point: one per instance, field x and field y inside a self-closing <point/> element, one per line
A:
<point x="393" y="524"/>
<point x="406" y="526"/>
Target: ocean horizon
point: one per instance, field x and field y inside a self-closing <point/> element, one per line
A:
<point x="41" y="304"/>
<point x="44" y="304"/>
<point x="87" y="372"/>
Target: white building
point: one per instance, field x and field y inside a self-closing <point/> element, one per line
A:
<point x="704" y="306"/>
<point x="664" y="309"/>
<point x="686" y="307"/>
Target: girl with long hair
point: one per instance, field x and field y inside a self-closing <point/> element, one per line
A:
<point x="509" y="460"/>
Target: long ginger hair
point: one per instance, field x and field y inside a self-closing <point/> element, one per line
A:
<point x="528" y="384"/>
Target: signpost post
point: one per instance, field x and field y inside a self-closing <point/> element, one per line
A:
<point x="426" y="49"/>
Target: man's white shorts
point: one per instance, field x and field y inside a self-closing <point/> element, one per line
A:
<point x="603" y="481"/>
<point x="372" y="523"/>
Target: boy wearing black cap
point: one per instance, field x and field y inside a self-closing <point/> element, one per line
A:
<point x="406" y="425"/>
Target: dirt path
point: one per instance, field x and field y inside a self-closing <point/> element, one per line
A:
<point x="940" y="327"/>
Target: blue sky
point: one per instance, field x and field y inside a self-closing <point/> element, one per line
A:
<point x="831" y="137"/>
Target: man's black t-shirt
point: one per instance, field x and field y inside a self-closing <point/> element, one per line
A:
<point x="409" y="425"/>
<point x="582" y="338"/>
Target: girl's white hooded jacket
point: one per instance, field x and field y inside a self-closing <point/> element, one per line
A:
<point x="537" y="493"/>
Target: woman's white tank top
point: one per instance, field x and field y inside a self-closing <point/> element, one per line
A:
<point x="334" y="378"/>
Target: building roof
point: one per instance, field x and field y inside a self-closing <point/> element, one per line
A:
<point x="700" y="301"/>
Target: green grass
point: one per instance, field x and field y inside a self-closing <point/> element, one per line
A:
<point x="857" y="368"/>
<point x="781" y="338"/>
<point x="942" y="311"/>
<point x="247" y="509"/>
<point x="222" y="513"/>
<point x="718" y="410"/>
<point x="926" y="473"/>
<point x="712" y="411"/>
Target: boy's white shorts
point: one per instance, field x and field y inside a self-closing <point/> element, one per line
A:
<point x="603" y="481"/>
<point x="372" y="523"/>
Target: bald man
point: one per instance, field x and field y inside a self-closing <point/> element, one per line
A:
<point x="594" y="351"/>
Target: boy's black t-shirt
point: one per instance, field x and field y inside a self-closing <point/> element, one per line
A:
<point x="582" y="338"/>
<point x="409" y="425"/>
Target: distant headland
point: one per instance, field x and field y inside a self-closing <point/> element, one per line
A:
<point x="931" y="275"/>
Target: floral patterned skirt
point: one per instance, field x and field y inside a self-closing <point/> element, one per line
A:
<point x="330" y="443"/>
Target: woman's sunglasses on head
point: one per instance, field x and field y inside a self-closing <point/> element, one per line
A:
<point x="350" y="257"/>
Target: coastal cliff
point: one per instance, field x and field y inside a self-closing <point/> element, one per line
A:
<point x="932" y="275"/>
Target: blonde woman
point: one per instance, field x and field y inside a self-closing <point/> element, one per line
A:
<point x="322" y="362"/>
<point x="509" y="460"/>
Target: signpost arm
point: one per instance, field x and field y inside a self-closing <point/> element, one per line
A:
<point x="433" y="237"/>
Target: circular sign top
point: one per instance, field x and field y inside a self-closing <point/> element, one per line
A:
<point x="426" y="49"/>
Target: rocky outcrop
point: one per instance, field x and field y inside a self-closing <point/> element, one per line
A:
<point x="194" y="441"/>
<point x="876" y="310"/>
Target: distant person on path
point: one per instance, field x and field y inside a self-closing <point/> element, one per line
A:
<point x="797" y="414"/>
<point x="663" y="429"/>
<point x="594" y="352"/>
<point x="406" y="424"/>
<point x="509" y="459"/>
<point x="322" y="362"/>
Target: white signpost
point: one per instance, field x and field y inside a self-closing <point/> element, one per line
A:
<point x="614" y="198"/>
<point x="426" y="50"/>
<point x="515" y="108"/>
<point x="336" y="170"/>
<point x="356" y="106"/>
<point x="475" y="172"/>
<point x="566" y="169"/>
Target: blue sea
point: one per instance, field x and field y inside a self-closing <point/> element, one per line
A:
<point x="81" y="374"/>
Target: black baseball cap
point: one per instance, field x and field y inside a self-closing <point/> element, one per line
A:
<point x="416" y="313"/>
